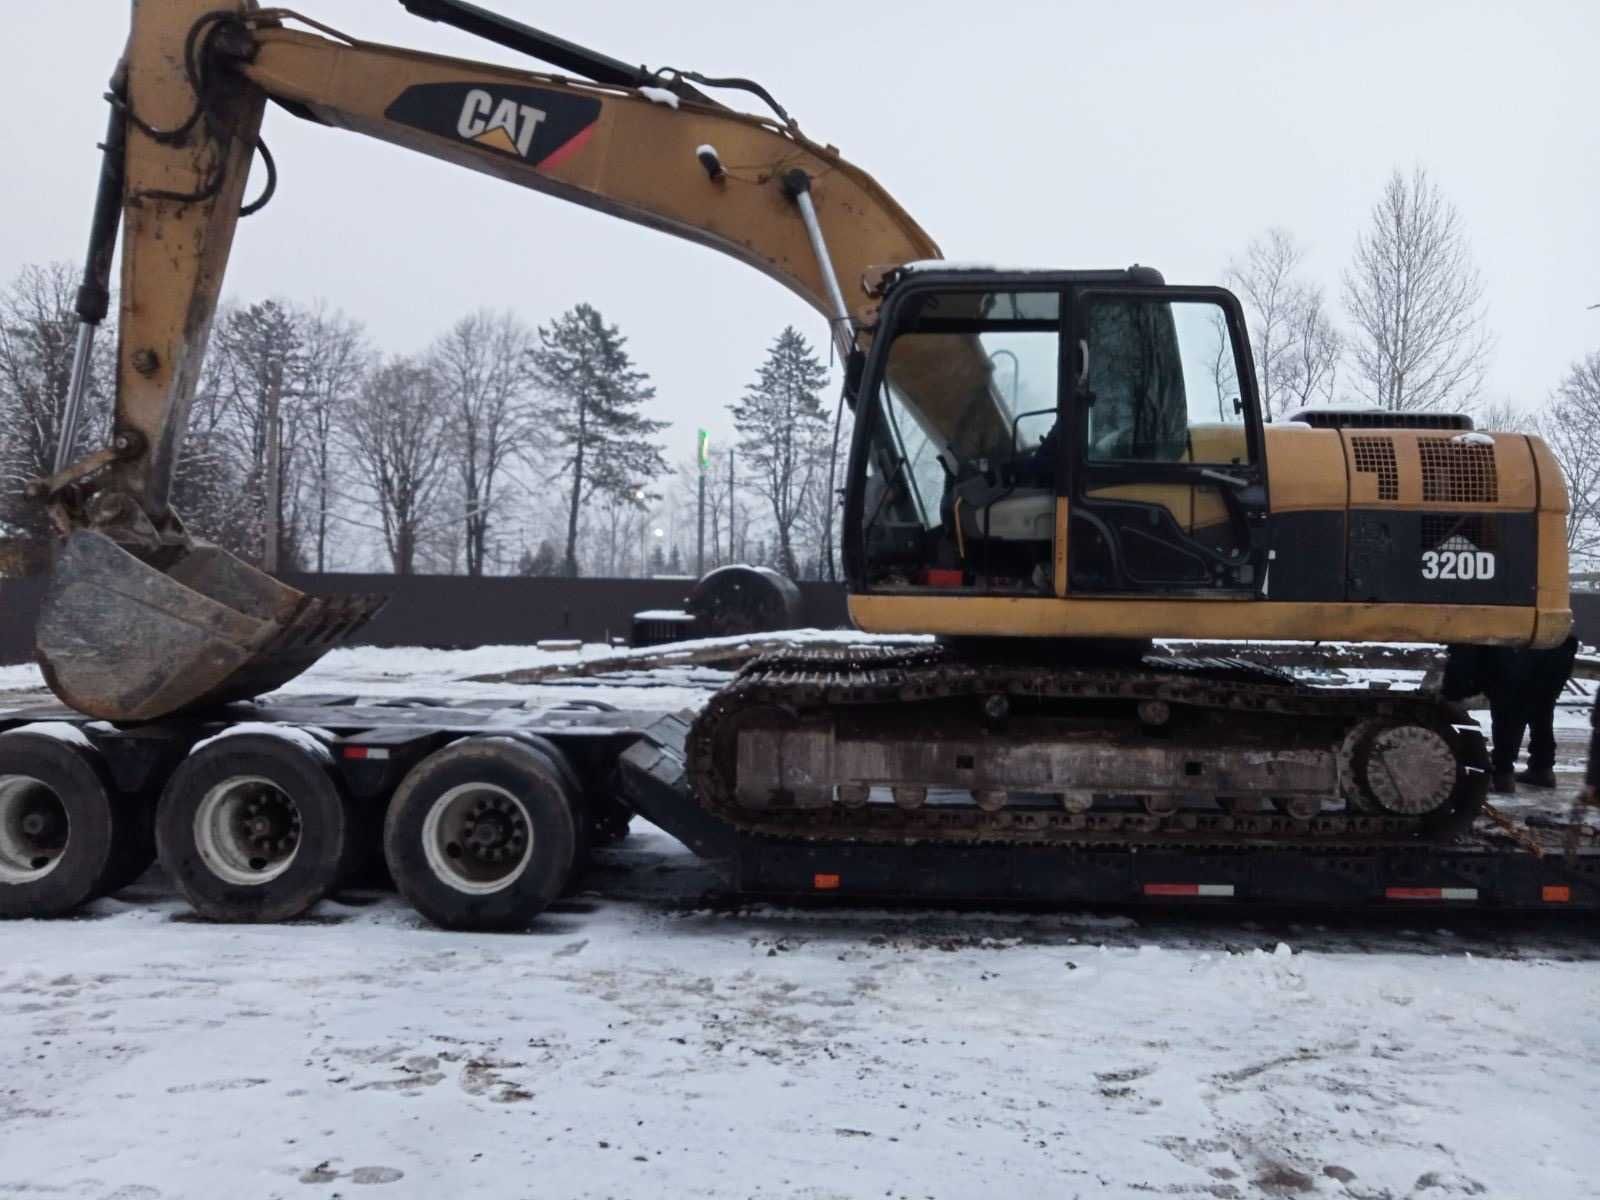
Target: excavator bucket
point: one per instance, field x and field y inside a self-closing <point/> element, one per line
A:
<point x="120" y="640"/>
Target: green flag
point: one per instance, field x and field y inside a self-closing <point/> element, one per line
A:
<point x="703" y="449"/>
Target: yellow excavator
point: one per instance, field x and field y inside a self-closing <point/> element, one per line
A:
<point x="1049" y="469"/>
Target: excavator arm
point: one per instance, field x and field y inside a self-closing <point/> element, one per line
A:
<point x="140" y="620"/>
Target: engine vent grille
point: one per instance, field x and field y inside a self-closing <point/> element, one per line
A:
<point x="1458" y="472"/>
<point x="1379" y="418"/>
<point x="1375" y="456"/>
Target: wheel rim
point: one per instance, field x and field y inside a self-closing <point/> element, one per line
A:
<point x="247" y="830"/>
<point x="478" y="838"/>
<point x="34" y="829"/>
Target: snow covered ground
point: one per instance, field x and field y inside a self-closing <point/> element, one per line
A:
<point x="651" y="1039"/>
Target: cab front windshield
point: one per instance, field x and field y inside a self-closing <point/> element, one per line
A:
<point x="970" y="393"/>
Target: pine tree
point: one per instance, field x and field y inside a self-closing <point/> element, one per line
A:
<point x="593" y="393"/>
<point x="260" y="350"/>
<point x="539" y="563"/>
<point x="783" y="433"/>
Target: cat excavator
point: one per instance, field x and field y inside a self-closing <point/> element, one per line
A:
<point x="1049" y="469"/>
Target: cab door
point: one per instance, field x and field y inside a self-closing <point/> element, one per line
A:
<point x="1165" y="467"/>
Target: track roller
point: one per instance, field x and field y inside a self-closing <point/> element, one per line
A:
<point x="59" y="824"/>
<point x="485" y="833"/>
<point x="255" y="827"/>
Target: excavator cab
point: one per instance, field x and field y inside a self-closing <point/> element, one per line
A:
<point x="1055" y="434"/>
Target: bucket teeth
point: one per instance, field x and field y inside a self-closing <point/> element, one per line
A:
<point x="121" y="640"/>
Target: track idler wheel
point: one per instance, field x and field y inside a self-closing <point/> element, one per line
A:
<point x="1402" y="769"/>
<point x="59" y="824"/>
<point x="255" y="827"/>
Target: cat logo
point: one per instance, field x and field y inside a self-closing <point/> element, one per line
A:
<point x="542" y="127"/>
<point x="505" y="124"/>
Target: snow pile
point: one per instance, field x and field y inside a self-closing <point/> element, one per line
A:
<point x="660" y="96"/>
<point x="313" y="741"/>
<point x="60" y="731"/>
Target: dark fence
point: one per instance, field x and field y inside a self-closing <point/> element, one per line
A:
<point x="453" y="610"/>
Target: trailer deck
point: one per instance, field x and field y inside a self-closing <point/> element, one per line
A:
<point x="1531" y="858"/>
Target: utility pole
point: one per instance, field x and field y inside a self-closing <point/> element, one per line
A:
<point x="733" y="554"/>
<point x="702" y="454"/>
<point x="269" y="552"/>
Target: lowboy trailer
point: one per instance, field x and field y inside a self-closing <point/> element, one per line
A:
<point x="485" y="812"/>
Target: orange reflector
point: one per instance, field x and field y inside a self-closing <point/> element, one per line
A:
<point x="1555" y="893"/>
<point x="824" y="883"/>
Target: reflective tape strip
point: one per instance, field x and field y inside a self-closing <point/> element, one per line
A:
<point x="1416" y="893"/>
<point x="365" y="752"/>
<point x="1188" y="889"/>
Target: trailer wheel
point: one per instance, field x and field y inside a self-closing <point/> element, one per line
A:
<point x="255" y="827"/>
<point x="58" y="825"/>
<point x="482" y="834"/>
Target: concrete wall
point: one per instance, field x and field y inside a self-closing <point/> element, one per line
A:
<point x="451" y="610"/>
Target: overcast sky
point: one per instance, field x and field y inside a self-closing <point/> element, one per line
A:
<point x="1066" y="134"/>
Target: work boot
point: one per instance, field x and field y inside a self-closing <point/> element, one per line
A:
<point x="1502" y="783"/>
<point x="1539" y="777"/>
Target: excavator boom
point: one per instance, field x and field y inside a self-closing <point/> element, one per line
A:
<point x="141" y="620"/>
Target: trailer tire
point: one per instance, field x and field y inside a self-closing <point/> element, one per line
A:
<point x="59" y="825"/>
<point x="255" y="828"/>
<point x="483" y="834"/>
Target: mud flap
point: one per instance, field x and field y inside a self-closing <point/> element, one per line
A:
<point x="121" y="640"/>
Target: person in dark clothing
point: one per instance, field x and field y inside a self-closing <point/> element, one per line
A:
<point x="1523" y="687"/>
<point x="1591" y="776"/>
<point x="1544" y="675"/>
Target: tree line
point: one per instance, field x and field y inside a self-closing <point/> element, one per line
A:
<point x="498" y="448"/>
<point x="506" y="448"/>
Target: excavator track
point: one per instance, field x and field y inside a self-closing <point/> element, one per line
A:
<point x="877" y="743"/>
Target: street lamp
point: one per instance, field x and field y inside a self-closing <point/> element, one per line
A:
<point x="644" y="569"/>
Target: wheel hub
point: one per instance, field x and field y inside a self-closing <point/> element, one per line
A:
<point x="34" y="829"/>
<point x="247" y="830"/>
<point x="477" y="838"/>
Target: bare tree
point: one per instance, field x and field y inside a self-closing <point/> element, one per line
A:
<point x="1502" y="416"/>
<point x="1265" y="279"/>
<point x="397" y="444"/>
<point x="37" y="331"/>
<point x="483" y="365"/>
<point x="1315" y="352"/>
<point x="337" y="358"/>
<point x="1416" y="300"/>
<point x="1295" y="346"/>
<point x="1571" y="426"/>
